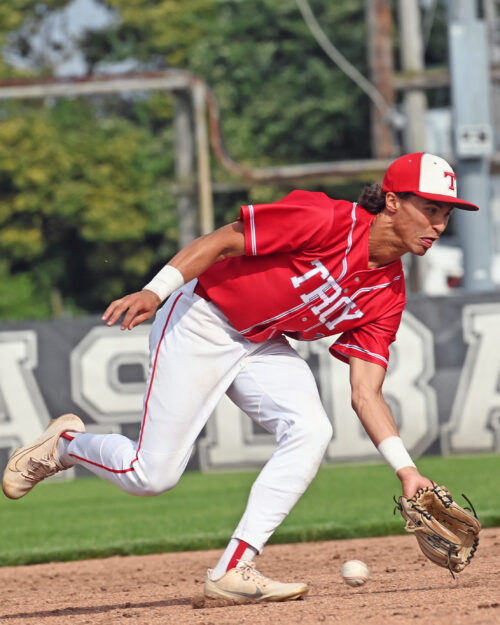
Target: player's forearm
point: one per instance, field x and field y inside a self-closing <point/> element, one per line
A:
<point x="199" y="255"/>
<point x="379" y="423"/>
<point x="196" y="257"/>
<point x="375" y="416"/>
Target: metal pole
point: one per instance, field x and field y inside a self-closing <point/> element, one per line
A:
<point x="473" y="137"/>
<point x="415" y="107"/>
<point x="185" y="168"/>
<point x="203" y="159"/>
<point x="412" y="61"/>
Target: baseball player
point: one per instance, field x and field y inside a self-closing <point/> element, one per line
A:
<point x="306" y="267"/>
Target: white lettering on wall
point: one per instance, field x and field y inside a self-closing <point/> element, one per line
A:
<point x="24" y="414"/>
<point x="95" y="384"/>
<point x="231" y="440"/>
<point x="474" y="425"/>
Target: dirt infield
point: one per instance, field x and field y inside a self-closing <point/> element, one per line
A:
<point x="403" y="588"/>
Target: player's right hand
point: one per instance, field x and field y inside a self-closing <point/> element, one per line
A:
<point x="137" y="307"/>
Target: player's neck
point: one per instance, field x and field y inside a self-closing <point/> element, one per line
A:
<point x="384" y="246"/>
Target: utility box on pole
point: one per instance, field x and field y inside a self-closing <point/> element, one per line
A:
<point x="473" y="137"/>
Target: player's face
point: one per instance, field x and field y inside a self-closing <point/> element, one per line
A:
<point x="419" y="222"/>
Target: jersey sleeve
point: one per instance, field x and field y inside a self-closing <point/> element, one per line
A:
<point x="301" y="220"/>
<point x="370" y="342"/>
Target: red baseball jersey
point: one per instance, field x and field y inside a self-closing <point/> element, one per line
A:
<point x="305" y="274"/>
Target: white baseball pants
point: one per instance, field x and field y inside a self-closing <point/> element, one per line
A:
<point x="196" y="356"/>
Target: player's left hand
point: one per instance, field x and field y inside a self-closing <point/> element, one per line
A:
<point x="137" y="307"/>
<point x="411" y="481"/>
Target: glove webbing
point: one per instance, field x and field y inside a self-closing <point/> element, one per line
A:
<point x="447" y="500"/>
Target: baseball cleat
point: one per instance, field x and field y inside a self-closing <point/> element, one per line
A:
<point x="245" y="583"/>
<point x="32" y="463"/>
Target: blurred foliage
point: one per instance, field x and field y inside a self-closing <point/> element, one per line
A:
<point x="282" y="98"/>
<point x="87" y="208"/>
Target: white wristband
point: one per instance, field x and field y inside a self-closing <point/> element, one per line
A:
<point x="166" y="281"/>
<point x="394" y="453"/>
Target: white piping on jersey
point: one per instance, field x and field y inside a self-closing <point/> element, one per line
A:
<point x="252" y="229"/>
<point x="280" y="316"/>
<point x="365" y="351"/>
<point x="377" y="286"/>
<point x="349" y="242"/>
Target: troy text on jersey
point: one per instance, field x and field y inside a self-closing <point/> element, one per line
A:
<point x="331" y="298"/>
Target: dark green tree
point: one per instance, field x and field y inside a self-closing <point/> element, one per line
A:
<point x="85" y="206"/>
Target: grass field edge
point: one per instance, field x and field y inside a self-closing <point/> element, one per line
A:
<point x="288" y="535"/>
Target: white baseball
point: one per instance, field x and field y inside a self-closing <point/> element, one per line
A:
<point x="355" y="572"/>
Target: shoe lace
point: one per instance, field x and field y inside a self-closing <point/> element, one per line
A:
<point x="248" y="571"/>
<point x="38" y="470"/>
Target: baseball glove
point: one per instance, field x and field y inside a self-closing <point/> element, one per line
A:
<point x="446" y="533"/>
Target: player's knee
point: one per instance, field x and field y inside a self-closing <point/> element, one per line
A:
<point x="311" y="438"/>
<point x="157" y="480"/>
<point x="312" y="433"/>
<point x="152" y="488"/>
<point x="325" y="432"/>
<point x="319" y="435"/>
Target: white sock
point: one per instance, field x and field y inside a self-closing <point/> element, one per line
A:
<point x="62" y="450"/>
<point x="248" y="554"/>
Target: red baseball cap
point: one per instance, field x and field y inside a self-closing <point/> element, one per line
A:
<point x="427" y="176"/>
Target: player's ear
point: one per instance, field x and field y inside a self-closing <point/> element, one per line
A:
<point x="392" y="202"/>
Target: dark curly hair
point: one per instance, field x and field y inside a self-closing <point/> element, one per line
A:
<point x="372" y="198"/>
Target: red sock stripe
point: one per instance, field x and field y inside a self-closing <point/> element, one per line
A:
<point x="131" y="468"/>
<point x="238" y="552"/>
<point x="67" y="436"/>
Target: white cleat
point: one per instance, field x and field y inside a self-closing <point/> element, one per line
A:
<point x="245" y="583"/>
<point x="32" y="463"/>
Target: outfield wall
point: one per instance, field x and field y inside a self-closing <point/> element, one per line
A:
<point x="443" y="385"/>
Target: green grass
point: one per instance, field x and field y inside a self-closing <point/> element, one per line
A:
<point x="91" y="518"/>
